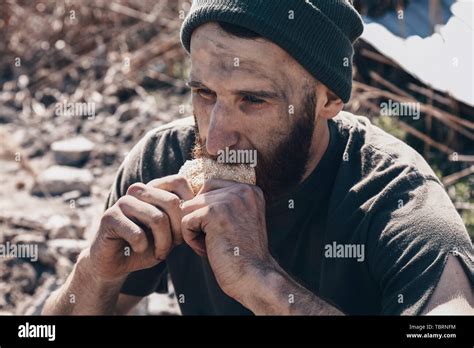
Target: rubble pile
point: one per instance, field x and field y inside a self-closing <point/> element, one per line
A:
<point x="80" y="83"/>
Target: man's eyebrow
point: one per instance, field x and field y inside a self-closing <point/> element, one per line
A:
<point x="257" y="93"/>
<point x="195" y="84"/>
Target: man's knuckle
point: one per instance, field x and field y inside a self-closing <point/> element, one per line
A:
<point x="124" y="202"/>
<point x="158" y="218"/>
<point x="163" y="246"/>
<point x="236" y="200"/>
<point x="153" y="182"/>
<point x="136" y="188"/>
<point x="109" y="217"/>
<point x="174" y="201"/>
<point x="136" y="236"/>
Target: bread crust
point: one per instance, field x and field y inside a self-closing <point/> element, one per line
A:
<point x="199" y="170"/>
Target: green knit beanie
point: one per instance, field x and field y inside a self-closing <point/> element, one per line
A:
<point x="317" y="33"/>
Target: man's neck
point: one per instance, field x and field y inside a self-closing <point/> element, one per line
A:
<point x="318" y="147"/>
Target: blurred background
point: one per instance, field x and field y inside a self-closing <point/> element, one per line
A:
<point x="82" y="81"/>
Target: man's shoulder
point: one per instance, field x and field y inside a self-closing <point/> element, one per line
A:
<point x="183" y="127"/>
<point x="162" y="150"/>
<point x="377" y="151"/>
<point x="378" y="174"/>
<point x="180" y="124"/>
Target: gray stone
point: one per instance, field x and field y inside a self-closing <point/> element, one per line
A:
<point x="164" y="304"/>
<point x="29" y="238"/>
<point x="73" y="151"/>
<point x="84" y="202"/>
<point x="7" y="115"/>
<point x="161" y="304"/>
<point x="71" y="195"/>
<point x="61" y="226"/>
<point x="57" y="180"/>
<point x="125" y="112"/>
<point x="69" y="248"/>
<point x="34" y="305"/>
<point x="24" y="275"/>
<point x="10" y="233"/>
<point x="35" y="243"/>
<point x="19" y="220"/>
<point x="63" y="267"/>
<point x="46" y="257"/>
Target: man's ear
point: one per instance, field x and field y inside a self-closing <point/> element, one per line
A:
<point x="328" y="103"/>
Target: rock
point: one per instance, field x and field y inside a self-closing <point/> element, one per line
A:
<point x="46" y="257"/>
<point x="7" y="98"/>
<point x="24" y="275"/>
<point x="73" y="151"/>
<point x="7" y="115"/>
<point x="57" y="180"/>
<point x="141" y="308"/>
<point x="63" y="267"/>
<point x="34" y="305"/>
<point x="61" y="226"/>
<point x="4" y="290"/>
<point x="32" y="243"/>
<point x="125" y="113"/>
<point x="71" y="195"/>
<point x="22" y="221"/>
<point x="37" y="149"/>
<point x="29" y="238"/>
<point x="9" y="233"/>
<point x="161" y="304"/>
<point x="164" y="304"/>
<point x="69" y="248"/>
<point x="110" y="105"/>
<point x="84" y="202"/>
<point x="107" y="155"/>
<point x="129" y="130"/>
<point x="8" y="167"/>
<point x="125" y="93"/>
<point x="23" y="81"/>
<point x="9" y="86"/>
<point x="97" y="171"/>
<point x="20" y="185"/>
<point x="47" y="96"/>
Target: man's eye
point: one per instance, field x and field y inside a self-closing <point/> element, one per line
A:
<point x="205" y="93"/>
<point x="252" y="100"/>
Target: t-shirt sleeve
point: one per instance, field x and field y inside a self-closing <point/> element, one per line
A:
<point x="413" y="232"/>
<point x="159" y="153"/>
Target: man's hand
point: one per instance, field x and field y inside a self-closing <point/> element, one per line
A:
<point x="136" y="233"/>
<point x="140" y="229"/>
<point x="226" y="222"/>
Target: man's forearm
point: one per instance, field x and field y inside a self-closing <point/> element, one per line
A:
<point x="276" y="293"/>
<point x="83" y="293"/>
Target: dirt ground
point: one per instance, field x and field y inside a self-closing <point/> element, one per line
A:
<point x="80" y="84"/>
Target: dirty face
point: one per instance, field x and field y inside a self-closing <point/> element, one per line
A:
<point x="249" y="94"/>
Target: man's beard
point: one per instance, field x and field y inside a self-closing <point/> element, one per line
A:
<point x="283" y="169"/>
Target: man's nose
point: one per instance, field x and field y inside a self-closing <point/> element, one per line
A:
<point x="221" y="132"/>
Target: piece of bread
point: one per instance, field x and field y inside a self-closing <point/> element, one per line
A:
<point x="199" y="170"/>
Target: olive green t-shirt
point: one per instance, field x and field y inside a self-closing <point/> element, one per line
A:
<point x="369" y="230"/>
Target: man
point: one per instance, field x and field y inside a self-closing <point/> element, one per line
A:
<point x="344" y="219"/>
